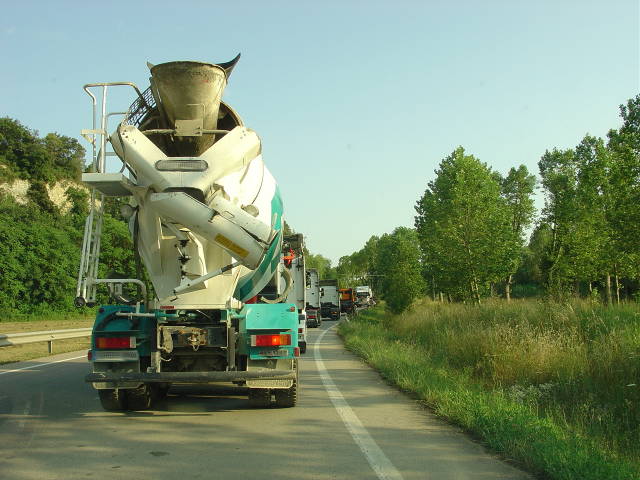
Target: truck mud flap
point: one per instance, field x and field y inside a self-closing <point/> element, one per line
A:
<point x="189" y="377"/>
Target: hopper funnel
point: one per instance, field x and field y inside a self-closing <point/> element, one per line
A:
<point x="188" y="96"/>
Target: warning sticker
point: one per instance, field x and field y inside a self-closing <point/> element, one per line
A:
<point x="235" y="248"/>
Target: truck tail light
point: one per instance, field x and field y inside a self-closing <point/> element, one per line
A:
<point x="300" y="330"/>
<point x="270" y="340"/>
<point x="296" y="351"/>
<point x="116" y="342"/>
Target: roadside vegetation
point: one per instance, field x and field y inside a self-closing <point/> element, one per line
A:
<point x="530" y="342"/>
<point x="553" y="386"/>
<point x="40" y="241"/>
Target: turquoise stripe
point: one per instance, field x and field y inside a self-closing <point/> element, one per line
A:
<point x="260" y="277"/>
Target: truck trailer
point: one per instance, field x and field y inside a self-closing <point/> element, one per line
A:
<point x="347" y="300"/>
<point x="329" y="299"/>
<point x="206" y="221"/>
<point x="293" y="261"/>
<point x="364" y="296"/>
<point x="313" y="298"/>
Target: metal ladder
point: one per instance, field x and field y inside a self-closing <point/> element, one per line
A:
<point x="90" y="255"/>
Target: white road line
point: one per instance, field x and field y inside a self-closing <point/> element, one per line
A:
<point x="381" y="465"/>
<point x="41" y="365"/>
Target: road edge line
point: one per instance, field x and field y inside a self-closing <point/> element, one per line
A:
<point x="381" y="465"/>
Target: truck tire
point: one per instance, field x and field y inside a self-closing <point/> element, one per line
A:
<point x="139" y="398"/>
<point x="112" y="400"/>
<point x="303" y="347"/>
<point x="259" y="397"/>
<point x="287" y="397"/>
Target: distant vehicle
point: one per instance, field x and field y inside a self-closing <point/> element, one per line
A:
<point x="313" y="298"/>
<point x="347" y="300"/>
<point x="364" y="296"/>
<point x="313" y="317"/>
<point x="329" y="299"/>
<point x="293" y="260"/>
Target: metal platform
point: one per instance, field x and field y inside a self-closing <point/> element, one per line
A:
<point x="110" y="184"/>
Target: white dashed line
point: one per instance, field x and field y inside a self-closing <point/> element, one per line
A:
<point x="381" y="465"/>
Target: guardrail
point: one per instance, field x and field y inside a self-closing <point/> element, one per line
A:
<point x="48" y="336"/>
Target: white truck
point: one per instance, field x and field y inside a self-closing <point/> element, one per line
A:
<point x="364" y="296"/>
<point x="313" y="298"/>
<point x="293" y="261"/>
<point x="329" y="299"/>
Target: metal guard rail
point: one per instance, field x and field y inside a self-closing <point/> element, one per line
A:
<point x="10" y="339"/>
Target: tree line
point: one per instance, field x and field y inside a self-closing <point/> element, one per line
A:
<point x="468" y="241"/>
<point x="39" y="243"/>
<point x="469" y="237"/>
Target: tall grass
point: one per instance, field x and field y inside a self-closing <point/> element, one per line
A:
<point x="575" y="365"/>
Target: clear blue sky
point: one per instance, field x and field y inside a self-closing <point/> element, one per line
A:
<point x="356" y="102"/>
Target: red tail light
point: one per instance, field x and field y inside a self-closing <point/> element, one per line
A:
<point x="116" y="342"/>
<point x="270" y="340"/>
<point x="300" y="330"/>
<point x="89" y="355"/>
<point x="296" y="351"/>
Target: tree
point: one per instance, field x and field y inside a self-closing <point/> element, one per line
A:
<point x="27" y="156"/>
<point x="517" y="190"/>
<point x="560" y="181"/>
<point x="464" y="228"/>
<point x="398" y="261"/>
<point x="591" y="238"/>
<point x="321" y="264"/>
<point x="624" y="219"/>
<point x="359" y="268"/>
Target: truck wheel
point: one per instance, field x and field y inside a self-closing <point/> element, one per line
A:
<point x="259" y="397"/>
<point x="287" y="397"/>
<point x="139" y="398"/>
<point x="112" y="400"/>
<point x="303" y="347"/>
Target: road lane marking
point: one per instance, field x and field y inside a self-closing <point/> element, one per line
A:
<point x="381" y="465"/>
<point x="41" y="365"/>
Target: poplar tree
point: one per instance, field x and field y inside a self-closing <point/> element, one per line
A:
<point x="464" y="228"/>
<point x="517" y="190"/>
<point x="560" y="181"/>
<point x="398" y="260"/>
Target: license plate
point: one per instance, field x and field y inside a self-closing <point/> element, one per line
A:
<point x="274" y="353"/>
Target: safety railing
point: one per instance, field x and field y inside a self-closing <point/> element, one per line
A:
<point x="9" y="339"/>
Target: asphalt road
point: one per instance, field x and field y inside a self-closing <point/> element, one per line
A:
<point x="348" y="425"/>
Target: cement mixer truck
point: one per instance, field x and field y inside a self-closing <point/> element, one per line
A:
<point x="205" y="217"/>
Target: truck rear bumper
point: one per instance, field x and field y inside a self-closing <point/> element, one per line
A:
<point x="189" y="377"/>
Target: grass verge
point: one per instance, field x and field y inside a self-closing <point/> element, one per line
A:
<point x="20" y="353"/>
<point x="542" y="440"/>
